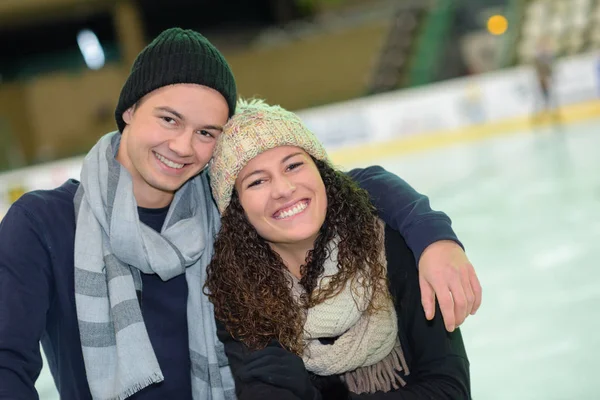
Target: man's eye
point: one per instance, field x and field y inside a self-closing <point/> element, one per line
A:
<point x="168" y="120"/>
<point x="206" y="133"/>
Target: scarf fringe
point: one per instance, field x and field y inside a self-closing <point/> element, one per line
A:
<point x="154" y="378"/>
<point x="382" y="376"/>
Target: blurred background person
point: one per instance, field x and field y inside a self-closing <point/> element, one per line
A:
<point x="543" y="63"/>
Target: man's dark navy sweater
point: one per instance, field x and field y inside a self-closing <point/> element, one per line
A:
<point x="37" y="298"/>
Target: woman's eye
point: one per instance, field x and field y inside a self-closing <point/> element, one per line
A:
<point x="255" y="183"/>
<point x="168" y="120"/>
<point x="206" y="133"/>
<point x="294" y="166"/>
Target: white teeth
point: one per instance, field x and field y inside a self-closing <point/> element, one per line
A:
<point x="290" y="213"/>
<point x="168" y="162"/>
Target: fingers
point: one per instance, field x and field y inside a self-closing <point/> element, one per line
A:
<point x="427" y="298"/>
<point x="446" y="273"/>
<point x="469" y="295"/>
<point x="446" y="300"/>
<point x="476" y="288"/>
<point x="460" y="302"/>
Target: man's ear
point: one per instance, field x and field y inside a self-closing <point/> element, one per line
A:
<point x="128" y="114"/>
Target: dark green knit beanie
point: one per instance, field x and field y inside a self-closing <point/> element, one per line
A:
<point x="177" y="56"/>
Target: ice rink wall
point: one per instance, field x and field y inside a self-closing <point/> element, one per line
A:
<point x="362" y="131"/>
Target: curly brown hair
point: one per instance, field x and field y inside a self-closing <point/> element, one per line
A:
<point x="248" y="282"/>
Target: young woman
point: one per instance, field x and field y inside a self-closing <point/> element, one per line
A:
<point x="314" y="296"/>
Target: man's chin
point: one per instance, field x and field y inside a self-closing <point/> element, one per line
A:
<point x="169" y="187"/>
<point x="170" y="184"/>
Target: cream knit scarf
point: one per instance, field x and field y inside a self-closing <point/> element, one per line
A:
<point x="367" y="351"/>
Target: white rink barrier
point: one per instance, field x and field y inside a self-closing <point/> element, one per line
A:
<point x="452" y="104"/>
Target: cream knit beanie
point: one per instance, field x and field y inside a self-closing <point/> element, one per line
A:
<point x="255" y="128"/>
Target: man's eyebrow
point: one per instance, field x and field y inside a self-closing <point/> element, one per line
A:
<point x="182" y="118"/>
<point x="171" y="111"/>
<point x="214" y="127"/>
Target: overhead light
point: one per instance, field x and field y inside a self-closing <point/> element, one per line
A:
<point x="91" y="49"/>
<point x="497" y="24"/>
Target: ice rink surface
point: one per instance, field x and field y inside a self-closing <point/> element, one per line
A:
<point x="527" y="208"/>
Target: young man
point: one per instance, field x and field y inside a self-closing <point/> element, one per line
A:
<point x="107" y="273"/>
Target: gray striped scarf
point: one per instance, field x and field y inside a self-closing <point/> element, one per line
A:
<point x="112" y="248"/>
